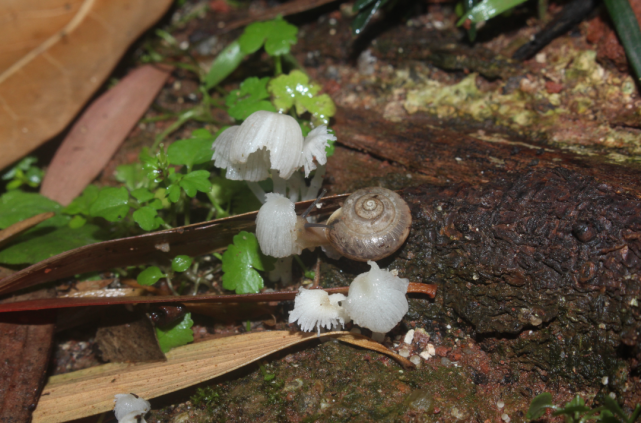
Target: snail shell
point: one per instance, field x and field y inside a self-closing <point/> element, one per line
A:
<point x="372" y="224"/>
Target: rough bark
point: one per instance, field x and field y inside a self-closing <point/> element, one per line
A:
<point x="550" y="250"/>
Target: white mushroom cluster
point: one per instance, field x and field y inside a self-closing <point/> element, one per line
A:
<point x="376" y="301"/>
<point x="271" y="144"/>
<point x="130" y="408"/>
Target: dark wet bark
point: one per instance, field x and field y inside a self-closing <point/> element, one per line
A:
<point x="550" y="250"/>
<point x="25" y="347"/>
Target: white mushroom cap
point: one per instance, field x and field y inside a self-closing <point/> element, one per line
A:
<point x="376" y="299"/>
<point x="276" y="227"/>
<point x="264" y="141"/>
<point x="316" y="308"/>
<point x="129" y="407"/>
<point x="315" y="144"/>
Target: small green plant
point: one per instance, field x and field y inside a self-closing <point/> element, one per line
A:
<point x="240" y="264"/>
<point x="176" y="334"/>
<point x="267" y="377"/>
<point x="24" y="174"/>
<point x="576" y="411"/>
<point x="153" y="274"/>
<point x="206" y="397"/>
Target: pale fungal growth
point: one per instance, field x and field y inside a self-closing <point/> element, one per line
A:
<point x="376" y="299"/>
<point x="276" y="227"/>
<point x="269" y="143"/>
<point x="130" y="407"/>
<point x="281" y="233"/>
<point x="315" y="308"/>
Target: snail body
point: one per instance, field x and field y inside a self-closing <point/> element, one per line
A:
<point x="372" y="224"/>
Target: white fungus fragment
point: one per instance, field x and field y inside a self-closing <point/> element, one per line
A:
<point x="505" y="418"/>
<point x="409" y="336"/>
<point x="130" y="407"/>
<point x="314" y="308"/>
<point x="376" y="299"/>
<point x="276" y="227"/>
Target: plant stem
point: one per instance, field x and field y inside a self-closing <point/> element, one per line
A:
<point x="184" y="117"/>
<point x="278" y="66"/>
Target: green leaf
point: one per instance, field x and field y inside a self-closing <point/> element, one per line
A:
<point x="157" y="204"/>
<point x="111" y="204"/>
<point x="142" y="195"/>
<point x="240" y="262"/>
<point x="226" y="62"/>
<point x="366" y="12"/>
<point x="150" y="276"/>
<point x="613" y="406"/>
<point x="23" y="165"/>
<point x="181" y="263"/>
<point x="16" y="206"/>
<point x="33" y="177"/>
<point x="362" y="4"/>
<point x="77" y="221"/>
<point x="249" y="98"/>
<point x="277" y="35"/>
<point x="42" y="242"/>
<point x="133" y="175"/>
<point x="192" y="151"/>
<point x="539" y="405"/>
<point x="195" y="181"/>
<point x="145" y="217"/>
<point x="627" y="27"/>
<point x="175" y="335"/>
<point x="296" y="90"/>
<point x="82" y="203"/>
<point x="488" y="9"/>
<point x="173" y="193"/>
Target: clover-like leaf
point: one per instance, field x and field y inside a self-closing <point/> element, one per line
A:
<point x="195" y="181"/>
<point x="176" y="334"/>
<point x="296" y="90"/>
<point x="111" y="204"/>
<point x="277" y="35"/>
<point x="181" y="263"/>
<point x="240" y="262"/>
<point x="145" y="217"/>
<point x="150" y="276"/>
<point x="249" y="98"/>
<point x="192" y="151"/>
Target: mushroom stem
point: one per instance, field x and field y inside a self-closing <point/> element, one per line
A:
<point x="315" y="184"/>
<point x="257" y="190"/>
<point x="280" y="184"/>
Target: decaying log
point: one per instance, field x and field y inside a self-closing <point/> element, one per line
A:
<point x="550" y="261"/>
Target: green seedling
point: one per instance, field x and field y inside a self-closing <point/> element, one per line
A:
<point x="240" y="264"/>
<point x="176" y="334"/>
<point x="24" y="173"/>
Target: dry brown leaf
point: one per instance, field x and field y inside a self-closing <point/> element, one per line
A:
<point x="17" y="228"/>
<point x="91" y="391"/>
<point x="95" y="137"/>
<point x="59" y="54"/>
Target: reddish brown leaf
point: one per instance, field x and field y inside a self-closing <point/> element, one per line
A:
<point x="188" y="300"/>
<point x="95" y="137"/>
<point x="25" y="345"/>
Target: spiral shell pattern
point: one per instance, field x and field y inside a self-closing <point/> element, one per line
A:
<point x="372" y="224"/>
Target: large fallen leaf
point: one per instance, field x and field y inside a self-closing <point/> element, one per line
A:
<point x="55" y="55"/>
<point x="91" y="391"/>
<point x="156" y="247"/>
<point x="17" y="228"/>
<point x="95" y="137"/>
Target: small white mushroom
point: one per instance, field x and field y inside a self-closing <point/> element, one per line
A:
<point x="130" y="407"/>
<point x="315" y="308"/>
<point x="376" y="299"/>
<point x="269" y="141"/>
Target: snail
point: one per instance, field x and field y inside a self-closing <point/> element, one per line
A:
<point x="372" y="224"/>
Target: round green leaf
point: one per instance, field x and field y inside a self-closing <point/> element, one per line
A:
<point x="150" y="276"/>
<point x="181" y="263"/>
<point x="146" y="218"/>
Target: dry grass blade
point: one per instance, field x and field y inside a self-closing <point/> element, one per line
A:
<point x="156" y="247"/>
<point x="44" y="85"/>
<point x="95" y="137"/>
<point x="17" y="228"/>
<point x="91" y="391"/>
<point x="365" y="342"/>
